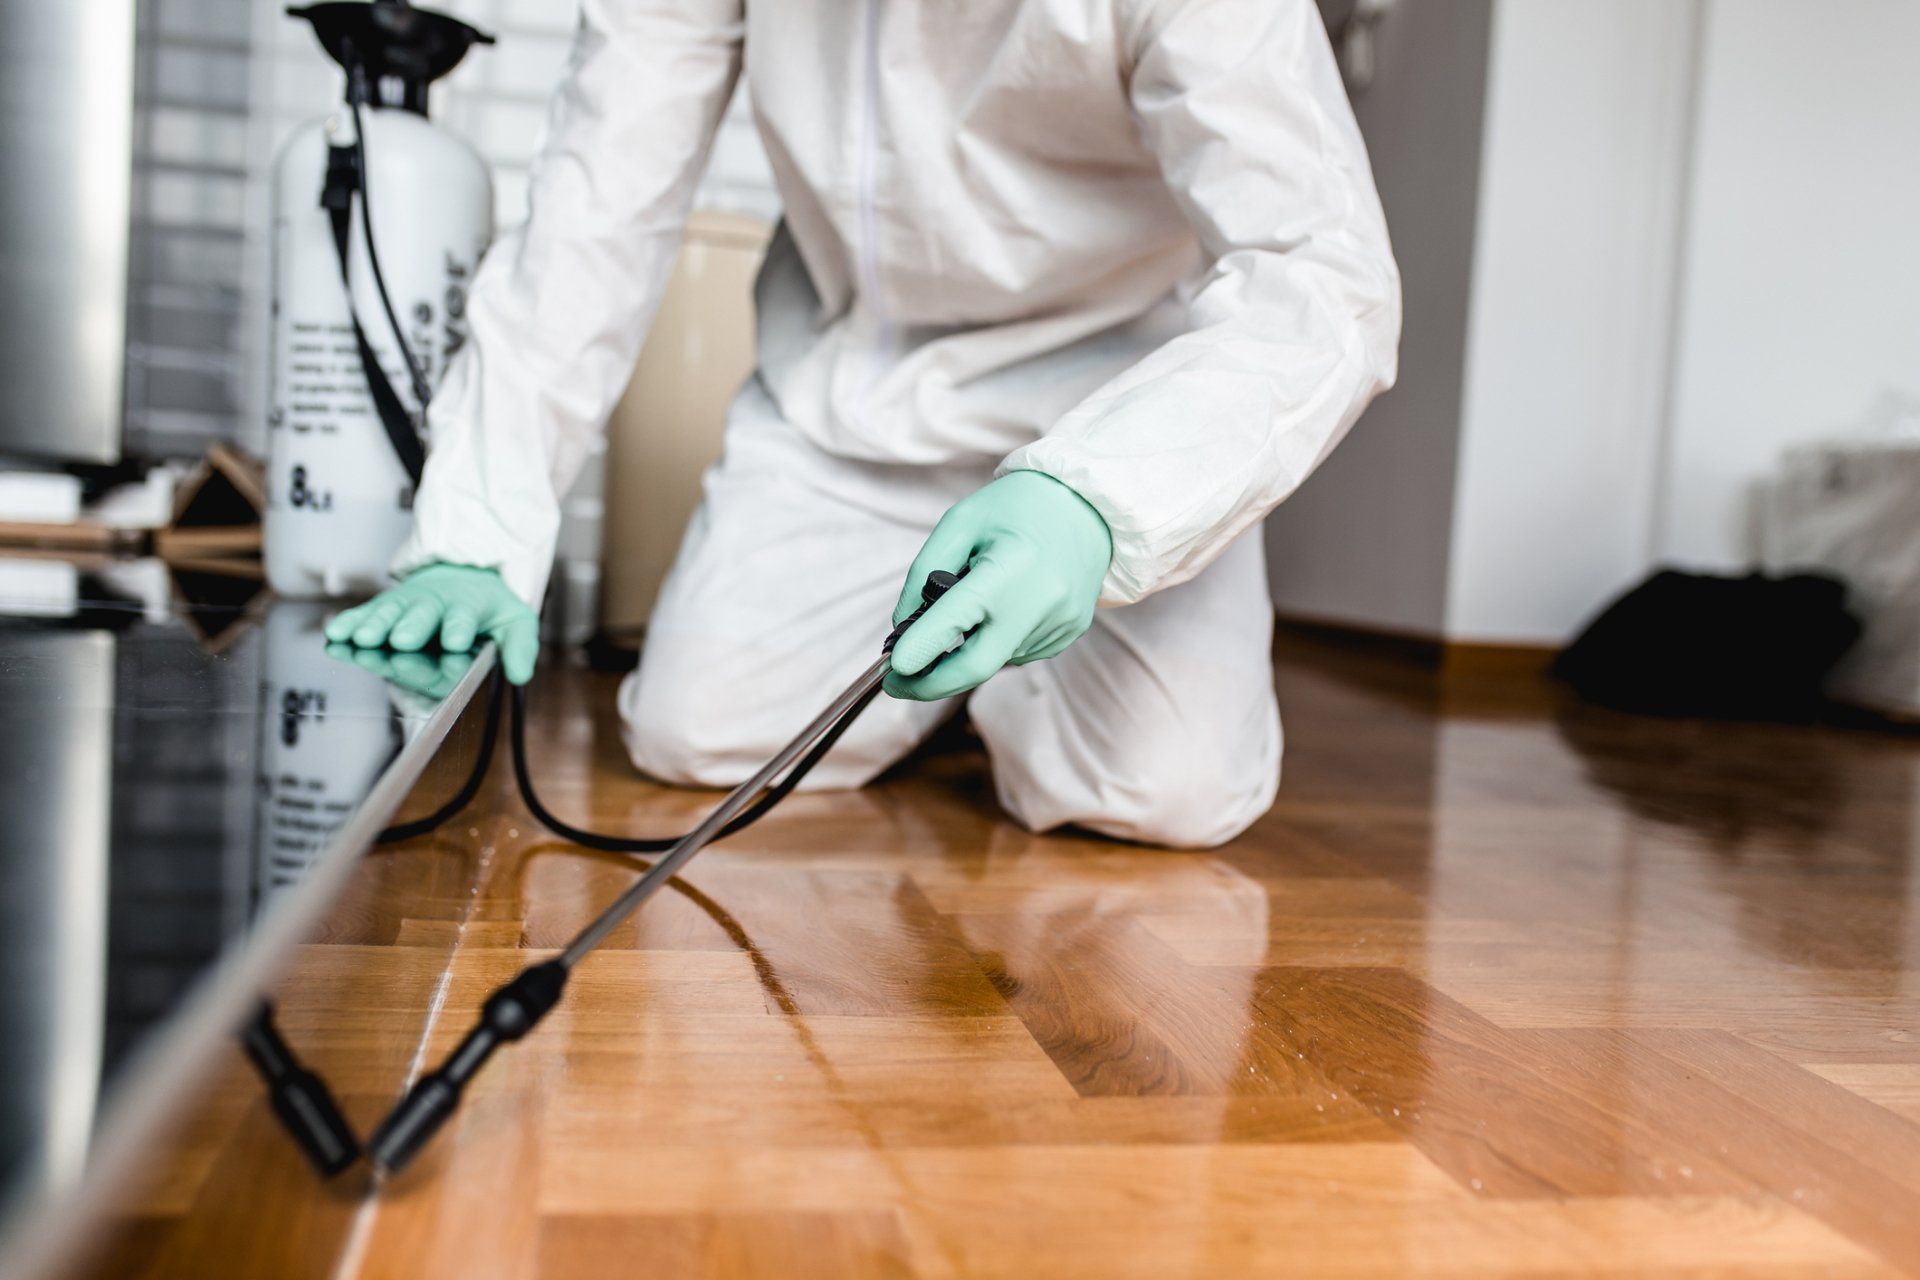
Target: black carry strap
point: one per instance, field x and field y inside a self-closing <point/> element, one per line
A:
<point x="343" y="179"/>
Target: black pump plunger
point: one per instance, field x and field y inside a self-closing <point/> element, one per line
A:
<point x="389" y="44"/>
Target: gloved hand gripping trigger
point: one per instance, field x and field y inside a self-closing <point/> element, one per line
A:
<point x="938" y="583"/>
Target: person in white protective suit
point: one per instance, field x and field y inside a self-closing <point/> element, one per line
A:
<point x="1091" y="285"/>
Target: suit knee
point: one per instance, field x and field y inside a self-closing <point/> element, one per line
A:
<point x="1183" y="808"/>
<point x="668" y="736"/>
<point x="1168" y="790"/>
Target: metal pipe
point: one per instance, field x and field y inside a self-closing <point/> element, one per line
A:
<point x="737" y="800"/>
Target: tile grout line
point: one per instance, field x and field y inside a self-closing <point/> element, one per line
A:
<point x="360" y="1234"/>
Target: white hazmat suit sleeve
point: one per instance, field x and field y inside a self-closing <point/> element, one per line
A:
<point x="559" y="307"/>
<point x="1294" y="325"/>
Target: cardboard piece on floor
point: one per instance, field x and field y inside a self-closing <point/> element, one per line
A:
<point x="216" y="511"/>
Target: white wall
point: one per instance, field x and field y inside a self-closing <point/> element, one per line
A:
<point x="1801" y="278"/>
<point x="1531" y="155"/>
<point x="1694" y="242"/>
<point x="1364" y="541"/>
<point x="1583" y="168"/>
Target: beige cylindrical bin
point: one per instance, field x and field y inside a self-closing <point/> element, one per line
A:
<point x="666" y="430"/>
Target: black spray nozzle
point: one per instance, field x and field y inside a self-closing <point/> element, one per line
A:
<point x="301" y="1100"/>
<point x="938" y="583"/>
<point x="388" y="40"/>
<point x="509" y="1013"/>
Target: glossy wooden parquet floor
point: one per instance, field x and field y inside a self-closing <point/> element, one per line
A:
<point x="1499" y="988"/>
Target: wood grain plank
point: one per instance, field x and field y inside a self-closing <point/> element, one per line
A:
<point x="1486" y="1104"/>
<point x="722" y="1246"/>
<point x="1893" y="1085"/>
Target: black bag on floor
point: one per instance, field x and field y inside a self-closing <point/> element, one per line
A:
<point x="1689" y="644"/>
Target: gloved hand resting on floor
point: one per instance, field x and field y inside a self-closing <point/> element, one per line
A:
<point x="1036" y="554"/>
<point x="457" y="603"/>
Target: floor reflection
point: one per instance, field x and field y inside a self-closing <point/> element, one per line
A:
<point x="1830" y="813"/>
<point x="1738" y="788"/>
<point x="300" y="1098"/>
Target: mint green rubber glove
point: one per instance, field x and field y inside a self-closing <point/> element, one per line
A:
<point x="1036" y="555"/>
<point x="457" y="603"/>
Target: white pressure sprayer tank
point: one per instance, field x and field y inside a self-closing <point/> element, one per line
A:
<point x="343" y="438"/>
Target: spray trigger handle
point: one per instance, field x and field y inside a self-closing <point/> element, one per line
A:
<point x="938" y="583"/>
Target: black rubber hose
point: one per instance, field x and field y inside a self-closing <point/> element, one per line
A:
<point x="937" y="585"/>
<point x="482" y="762"/>
<point x="416" y="374"/>
<point x="659" y="844"/>
<point x="523" y="777"/>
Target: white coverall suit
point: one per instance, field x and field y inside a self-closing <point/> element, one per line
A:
<point x="1132" y="244"/>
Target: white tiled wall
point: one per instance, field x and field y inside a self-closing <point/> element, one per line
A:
<point x="187" y="314"/>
